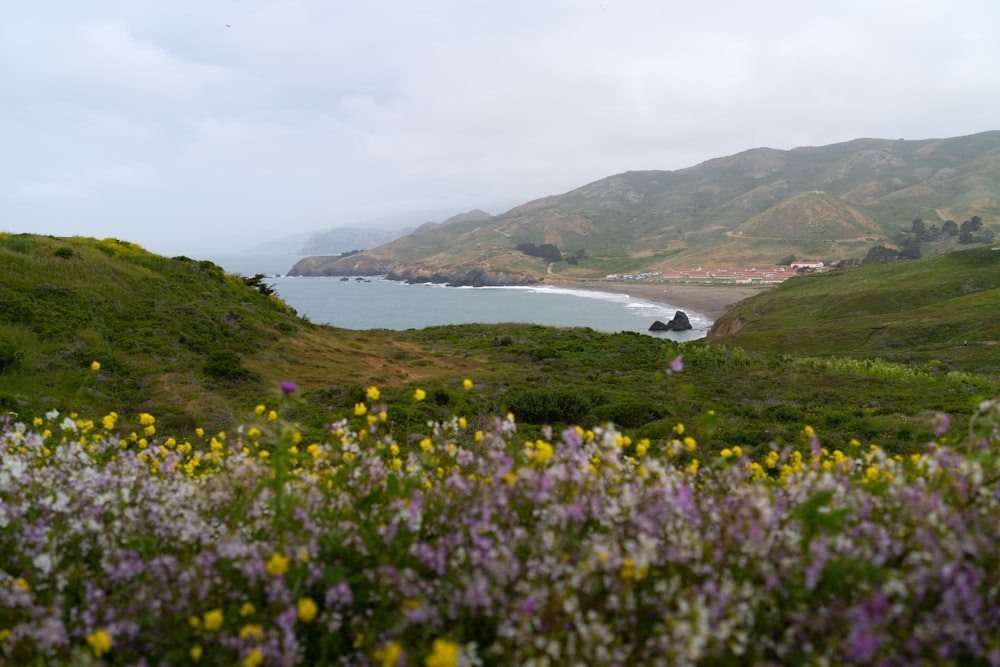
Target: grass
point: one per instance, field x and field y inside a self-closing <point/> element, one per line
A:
<point x="938" y="311"/>
<point x="181" y="338"/>
<point x="171" y="503"/>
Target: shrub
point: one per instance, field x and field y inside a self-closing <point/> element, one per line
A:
<point x="10" y="356"/>
<point x="630" y="413"/>
<point x="225" y="365"/>
<point x="548" y="406"/>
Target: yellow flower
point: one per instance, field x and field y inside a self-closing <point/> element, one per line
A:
<point x="99" y="641"/>
<point x="22" y="584"/>
<point x="543" y="451"/>
<point x="4" y="634"/>
<point x="195" y="653"/>
<point x="444" y="653"/>
<point x="462" y="422"/>
<point x="307" y="610"/>
<point x="277" y="565"/>
<point x="200" y="432"/>
<point x="390" y="655"/>
<point x="212" y="620"/>
<point x="373" y="393"/>
<point x="247" y="609"/>
<point x="254" y="659"/>
<point x="147" y="419"/>
<point x="272" y="415"/>
<point x="249" y="630"/>
<point x="467" y="383"/>
<point x="95" y="366"/>
<point x="360" y="409"/>
<point x="260" y="409"/>
<point x="419" y="394"/>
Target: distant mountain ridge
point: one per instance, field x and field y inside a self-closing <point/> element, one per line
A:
<point x="758" y="206"/>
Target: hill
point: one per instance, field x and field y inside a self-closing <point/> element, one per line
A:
<point x="830" y="202"/>
<point x="182" y="340"/>
<point x="178" y="337"/>
<point x="938" y="311"/>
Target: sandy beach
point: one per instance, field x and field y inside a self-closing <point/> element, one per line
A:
<point x="709" y="300"/>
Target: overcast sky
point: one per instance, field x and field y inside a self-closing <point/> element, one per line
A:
<point x="196" y="126"/>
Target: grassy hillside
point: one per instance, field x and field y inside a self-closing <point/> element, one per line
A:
<point x="176" y="336"/>
<point x="939" y="312"/>
<point x="182" y="340"/>
<point x="829" y="202"/>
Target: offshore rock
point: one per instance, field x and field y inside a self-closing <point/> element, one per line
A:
<point x="680" y="322"/>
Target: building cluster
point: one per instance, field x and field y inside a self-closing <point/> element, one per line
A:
<point x="728" y="275"/>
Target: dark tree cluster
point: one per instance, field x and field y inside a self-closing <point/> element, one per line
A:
<point x="880" y="253"/>
<point x="966" y="232"/>
<point x="545" y="251"/>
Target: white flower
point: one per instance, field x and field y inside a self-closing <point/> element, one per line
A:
<point x="43" y="563"/>
<point x="52" y="415"/>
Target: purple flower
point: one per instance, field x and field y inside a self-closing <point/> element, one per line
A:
<point x="676" y="365"/>
<point x="940" y="424"/>
<point x="288" y="387"/>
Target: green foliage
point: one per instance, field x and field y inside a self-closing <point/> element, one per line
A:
<point x="10" y="356"/>
<point x="937" y="313"/>
<point x="148" y="320"/>
<point x="225" y="365"/>
<point x="548" y="406"/>
<point x="629" y="412"/>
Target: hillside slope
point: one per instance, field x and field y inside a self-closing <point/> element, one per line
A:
<point x="940" y="311"/>
<point x="177" y="337"/>
<point x="829" y="202"/>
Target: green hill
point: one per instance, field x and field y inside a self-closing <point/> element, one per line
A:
<point x="938" y="311"/>
<point x="182" y="340"/>
<point x="829" y="202"/>
<point x="177" y="337"/>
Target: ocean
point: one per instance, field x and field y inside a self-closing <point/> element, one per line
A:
<point x="376" y="303"/>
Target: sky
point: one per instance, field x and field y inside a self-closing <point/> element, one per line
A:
<point x="204" y="126"/>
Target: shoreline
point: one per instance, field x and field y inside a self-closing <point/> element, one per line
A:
<point x="710" y="300"/>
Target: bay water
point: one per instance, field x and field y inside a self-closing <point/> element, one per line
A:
<point x="376" y="303"/>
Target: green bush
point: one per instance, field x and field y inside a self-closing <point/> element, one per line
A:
<point x="546" y="406"/>
<point x="10" y="357"/>
<point x="225" y="365"/>
<point x="630" y="412"/>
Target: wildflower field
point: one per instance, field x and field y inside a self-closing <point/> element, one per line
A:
<point x="485" y="547"/>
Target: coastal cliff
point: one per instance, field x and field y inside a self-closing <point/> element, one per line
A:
<point x="459" y="276"/>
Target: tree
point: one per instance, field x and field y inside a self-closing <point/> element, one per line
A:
<point x="910" y="249"/>
<point x="881" y="254"/>
<point x="919" y="229"/>
<point x="973" y="224"/>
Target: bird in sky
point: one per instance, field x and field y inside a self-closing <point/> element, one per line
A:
<point x="228" y="26"/>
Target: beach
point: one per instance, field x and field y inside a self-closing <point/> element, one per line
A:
<point x="709" y="300"/>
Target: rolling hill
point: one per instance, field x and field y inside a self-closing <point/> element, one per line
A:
<point x="829" y="202"/>
<point x="182" y="340"/>
<point x="177" y="337"/>
<point x="939" y="312"/>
